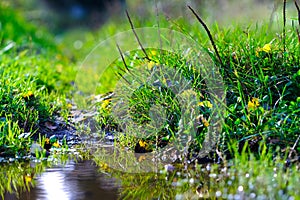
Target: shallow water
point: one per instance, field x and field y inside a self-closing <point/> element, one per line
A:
<point x="73" y="181"/>
<point x="83" y="181"/>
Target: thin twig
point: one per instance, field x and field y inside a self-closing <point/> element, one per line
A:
<point x="284" y="24"/>
<point x="136" y="36"/>
<point x="208" y="33"/>
<point x="123" y="59"/>
<point x="293" y="148"/>
<point x="121" y="76"/>
<point x="298" y="9"/>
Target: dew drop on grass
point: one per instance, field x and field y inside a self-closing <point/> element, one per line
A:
<point x="240" y="188"/>
<point x="192" y="181"/>
<point x="252" y="195"/>
<point x="218" y="193"/>
<point x="208" y="167"/>
<point x="213" y="175"/>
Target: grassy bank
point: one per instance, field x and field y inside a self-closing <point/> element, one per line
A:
<point x="35" y="78"/>
<point x="259" y="67"/>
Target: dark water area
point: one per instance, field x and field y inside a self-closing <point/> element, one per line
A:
<point x="73" y="181"/>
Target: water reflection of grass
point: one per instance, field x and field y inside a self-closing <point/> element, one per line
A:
<point x="19" y="176"/>
<point x="244" y="177"/>
<point x="16" y="178"/>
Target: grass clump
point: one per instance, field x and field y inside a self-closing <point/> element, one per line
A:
<point x="31" y="81"/>
<point x="261" y="77"/>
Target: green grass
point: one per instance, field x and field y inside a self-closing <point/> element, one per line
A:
<point x="18" y="177"/>
<point x="32" y="83"/>
<point x="260" y="129"/>
<point x="261" y="83"/>
<point x="261" y="119"/>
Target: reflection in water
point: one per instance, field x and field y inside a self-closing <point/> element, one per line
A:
<point x="73" y="181"/>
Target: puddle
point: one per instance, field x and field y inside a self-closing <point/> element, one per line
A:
<point x="73" y="181"/>
<point x="83" y="181"/>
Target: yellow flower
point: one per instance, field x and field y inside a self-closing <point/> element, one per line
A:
<point x="253" y="104"/>
<point x="142" y="143"/>
<point x="47" y="141"/>
<point x="28" y="94"/>
<point x="142" y="158"/>
<point x="151" y="65"/>
<point x="105" y="103"/>
<point x="69" y="106"/>
<point x="266" y="48"/>
<point x="205" y="104"/>
<point x="28" y="178"/>
<point x="56" y="144"/>
<point x="205" y="123"/>
<point x="104" y="166"/>
<point x="153" y="52"/>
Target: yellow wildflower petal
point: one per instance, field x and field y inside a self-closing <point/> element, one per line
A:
<point x="104" y="166"/>
<point x="255" y="101"/>
<point x="153" y="52"/>
<point x="253" y="104"/>
<point x="69" y="106"/>
<point x="105" y="103"/>
<point x="142" y="143"/>
<point x="141" y="158"/>
<point x="28" y="178"/>
<point x="250" y="105"/>
<point x="47" y="141"/>
<point x="206" y="123"/>
<point x="201" y="103"/>
<point x="56" y="144"/>
<point x="205" y="104"/>
<point x="267" y="48"/>
<point x="151" y="65"/>
<point x="28" y="94"/>
<point x="257" y="51"/>
<point x="208" y="104"/>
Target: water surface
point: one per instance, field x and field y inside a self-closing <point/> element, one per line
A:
<point x="73" y="181"/>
